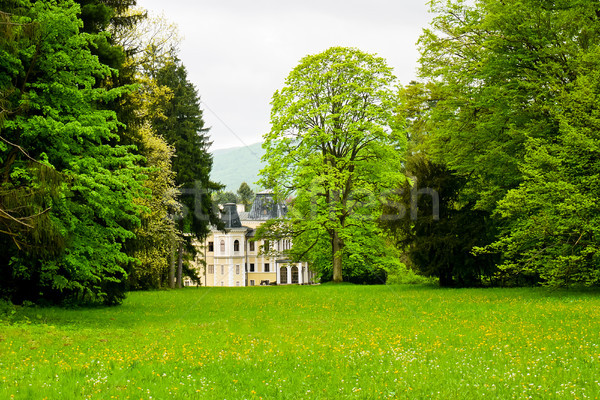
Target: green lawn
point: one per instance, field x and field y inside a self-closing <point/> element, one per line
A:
<point x="317" y="342"/>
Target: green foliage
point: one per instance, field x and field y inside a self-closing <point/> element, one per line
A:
<point x="87" y="182"/>
<point x="334" y="146"/>
<point x="553" y="217"/>
<point x="439" y="232"/>
<point x="183" y="128"/>
<point x="433" y="223"/>
<point x="180" y="123"/>
<point x="245" y="195"/>
<point x="407" y="276"/>
<point x="59" y="116"/>
<point x="155" y="237"/>
<point x="224" y="197"/>
<point x="515" y="86"/>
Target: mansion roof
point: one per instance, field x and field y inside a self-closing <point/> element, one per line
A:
<point x="263" y="208"/>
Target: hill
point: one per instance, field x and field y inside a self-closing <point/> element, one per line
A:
<point x="233" y="166"/>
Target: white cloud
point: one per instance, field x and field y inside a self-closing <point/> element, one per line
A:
<point x="238" y="53"/>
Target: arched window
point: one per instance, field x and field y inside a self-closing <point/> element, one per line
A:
<point x="222" y="245"/>
<point x="236" y="245"/>
<point x="283" y="275"/>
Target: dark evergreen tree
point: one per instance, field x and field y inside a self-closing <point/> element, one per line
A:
<point x="182" y="126"/>
<point x="436" y="230"/>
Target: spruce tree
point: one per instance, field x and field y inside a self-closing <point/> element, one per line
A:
<point x="183" y="128"/>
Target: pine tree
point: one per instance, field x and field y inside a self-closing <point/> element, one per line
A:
<point x="182" y="126"/>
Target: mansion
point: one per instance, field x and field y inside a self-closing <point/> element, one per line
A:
<point x="233" y="258"/>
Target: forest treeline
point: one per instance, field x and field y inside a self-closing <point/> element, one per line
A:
<point x="484" y="171"/>
<point x="499" y="148"/>
<point x="504" y="125"/>
<point x="94" y="106"/>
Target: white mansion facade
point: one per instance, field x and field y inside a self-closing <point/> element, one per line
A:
<point x="233" y="258"/>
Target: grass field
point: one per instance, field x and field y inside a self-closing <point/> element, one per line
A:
<point x="317" y="342"/>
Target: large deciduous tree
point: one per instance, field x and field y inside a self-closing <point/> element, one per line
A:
<point x="146" y="47"/>
<point x="59" y="115"/>
<point x="334" y="147"/>
<point x="516" y="113"/>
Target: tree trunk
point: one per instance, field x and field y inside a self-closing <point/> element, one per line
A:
<point x="172" y="268"/>
<point x="446" y="279"/>
<point x="180" y="266"/>
<point x="336" y="247"/>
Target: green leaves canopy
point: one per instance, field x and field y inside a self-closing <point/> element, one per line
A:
<point x="334" y="147"/>
<point x="515" y="86"/>
<point x="57" y="113"/>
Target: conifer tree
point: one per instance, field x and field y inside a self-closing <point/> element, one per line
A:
<point x="183" y="128"/>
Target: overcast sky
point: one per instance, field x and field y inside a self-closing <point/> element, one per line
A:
<point x="239" y="52"/>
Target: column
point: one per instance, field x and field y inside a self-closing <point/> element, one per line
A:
<point x="278" y="279"/>
<point x="289" y="274"/>
<point x="300" y="274"/>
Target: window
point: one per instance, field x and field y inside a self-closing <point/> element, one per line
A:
<point x="222" y="284"/>
<point x="211" y="269"/>
<point x="222" y="269"/>
<point x="251" y="246"/>
<point x="251" y="282"/>
<point x="267" y="267"/>
<point x="222" y="244"/>
<point x="211" y="246"/>
<point x="237" y="269"/>
<point x="251" y="267"/>
<point x="236" y="245"/>
<point x="237" y="283"/>
<point x="266" y="245"/>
